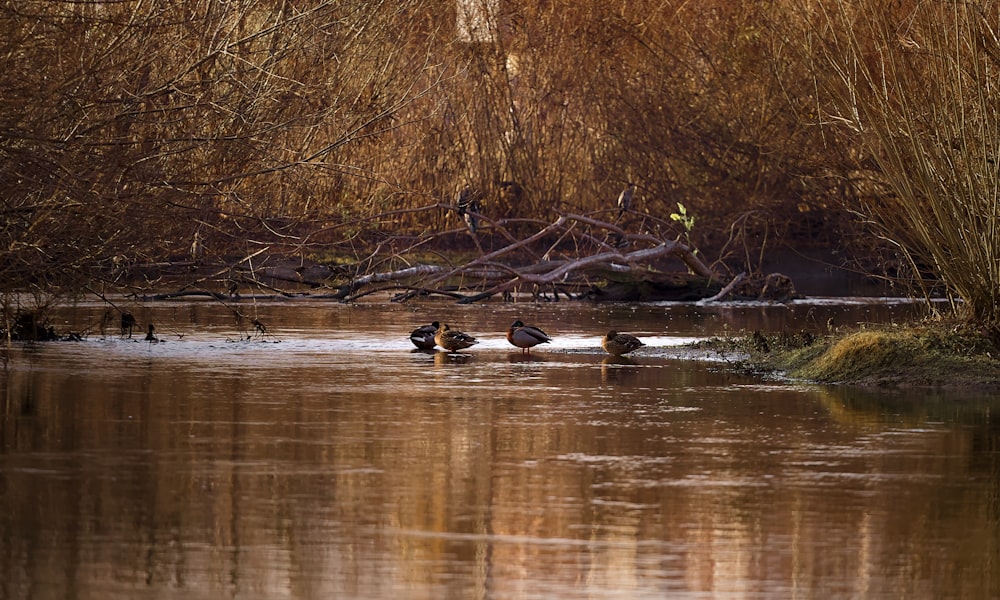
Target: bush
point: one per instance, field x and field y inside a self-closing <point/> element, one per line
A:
<point x="916" y="84"/>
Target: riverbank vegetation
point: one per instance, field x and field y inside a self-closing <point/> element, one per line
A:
<point x="927" y="354"/>
<point x="214" y="135"/>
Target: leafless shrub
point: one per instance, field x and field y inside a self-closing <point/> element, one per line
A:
<point x="916" y="83"/>
<point x="196" y="131"/>
<point x="129" y="128"/>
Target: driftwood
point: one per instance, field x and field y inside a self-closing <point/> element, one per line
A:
<point x="575" y="256"/>
<point x="726" y="291"/>
<point x="587" y="248"/>
<point x="773" y="287"/>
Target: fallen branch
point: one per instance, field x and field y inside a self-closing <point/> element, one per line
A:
<point x="589" y="249"/>
<point x="728" y="289"/>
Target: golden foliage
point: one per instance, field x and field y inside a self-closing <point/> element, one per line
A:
<point x="127" y="128"/>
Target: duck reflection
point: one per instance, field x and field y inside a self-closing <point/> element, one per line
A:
<point x="442" y="359"/>
<point x="517" y="357"/>
<point x="618" y="369"/>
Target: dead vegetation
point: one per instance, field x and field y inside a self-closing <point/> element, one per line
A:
<point x="573" y="257"/>
<point x="196" y="140"/>
<point x="204" y="132"/>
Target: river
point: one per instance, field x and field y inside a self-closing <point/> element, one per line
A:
<point x="330" y="459"/>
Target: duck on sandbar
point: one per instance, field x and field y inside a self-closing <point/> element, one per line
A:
<point x="526" y="336"/>
<point x="617" y="344"/>
<point x="453" y="339"/>
<point x="423" y="336"/>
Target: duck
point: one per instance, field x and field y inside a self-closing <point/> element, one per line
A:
<point x="617" y="344"/>
<point x="526" y="336"/>
<point x="151" y="334"/>
<point x="128" y="324"/>
<point x="453" y="339"/>
<point x="625" y="199"/>
<point x="468" y="206"/>
<point x="423" y="336"/>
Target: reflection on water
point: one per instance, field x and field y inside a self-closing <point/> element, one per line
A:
<point x="336" y="461"/>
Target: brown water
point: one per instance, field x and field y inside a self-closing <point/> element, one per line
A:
<point x="330" y="460"/>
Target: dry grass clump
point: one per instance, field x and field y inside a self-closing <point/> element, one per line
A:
<point x="932" y="354"/>
<point x="922" y="356"/>
<point x="855" y="357"/>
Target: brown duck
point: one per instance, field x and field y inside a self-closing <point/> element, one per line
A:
<point x="616" y="343"/>
<point x="453" y="339"/>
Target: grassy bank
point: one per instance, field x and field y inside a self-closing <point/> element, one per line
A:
<point x="919" y="355"/>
